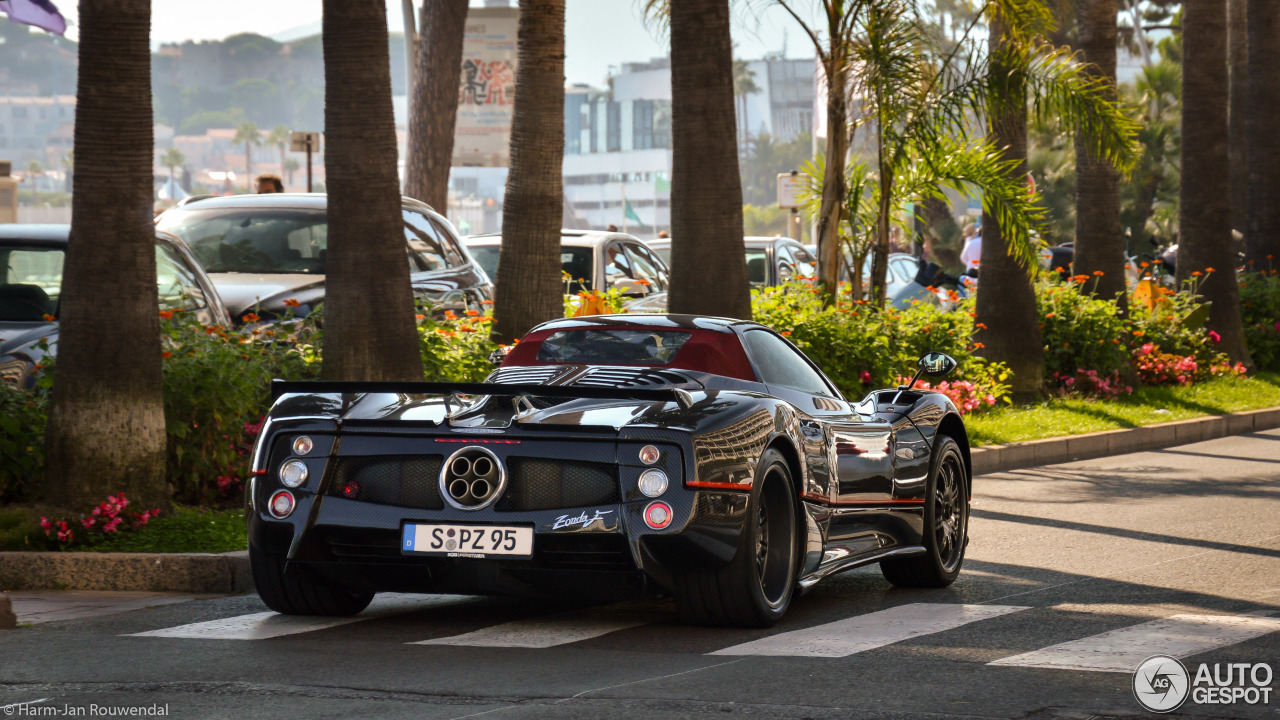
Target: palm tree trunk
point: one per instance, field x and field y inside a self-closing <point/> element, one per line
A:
<point x="106" y="430"/>
<point x="833" y="179"/>
<point x="1204" y="222"/>
<point x="1262" y="132"/>
<point x="435" y="102"/>
<point x="529" y="284"/>
<point x="706" y="197"/>
<point x="1237" y="112"/>
<point x="1099" y="242"/>
<point x="1006" y="303"/>
<point x="370" y="332"/>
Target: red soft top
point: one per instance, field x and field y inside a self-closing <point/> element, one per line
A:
<point x="706" y="351"/>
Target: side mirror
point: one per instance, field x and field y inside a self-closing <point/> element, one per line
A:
<point x="936" y="364"/>
<point x="498" y="356"/>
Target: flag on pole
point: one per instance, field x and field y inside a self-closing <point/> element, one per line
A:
<point x="630" y="213"/>
<point x="40" y="13"/>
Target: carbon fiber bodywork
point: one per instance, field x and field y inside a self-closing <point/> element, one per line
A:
<point x="571" y="457"/>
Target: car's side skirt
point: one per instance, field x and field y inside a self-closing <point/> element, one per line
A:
<point x="852" y="561"/>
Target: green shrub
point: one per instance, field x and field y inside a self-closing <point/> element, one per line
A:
<point x="22" y="420"/>
<point x="1260" y="311"/>
<point x="1081" y="332"/>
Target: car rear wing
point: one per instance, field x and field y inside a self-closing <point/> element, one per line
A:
<point x="679" y="396"/>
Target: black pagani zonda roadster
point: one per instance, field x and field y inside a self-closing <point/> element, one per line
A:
<point x="701" y="457"/>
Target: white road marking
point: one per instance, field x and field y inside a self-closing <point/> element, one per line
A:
<point x="551" y="630"/>
<point x="1123" y="649"/>
<point x="262" y="625"/>
<point x="12" y="709"/>
<point x="867" y="632"/>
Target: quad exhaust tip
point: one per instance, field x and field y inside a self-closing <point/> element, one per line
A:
<point x="472" y="478"/>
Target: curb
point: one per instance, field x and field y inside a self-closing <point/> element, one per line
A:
<point x="1016" y="456"/>
<point x="223" y="573"/>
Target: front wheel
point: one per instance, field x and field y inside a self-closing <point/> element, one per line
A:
<point x="946" y="525"/>
<point x="756" y="587"/>
<point x="301" y="595"/>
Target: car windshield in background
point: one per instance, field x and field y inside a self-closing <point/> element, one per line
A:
<point x="757" y="266"/>
<point x="575" y="261"/>
<point x="253" y="240"/>
<point x="31" y="283"/>
<point x="612" y="347"/>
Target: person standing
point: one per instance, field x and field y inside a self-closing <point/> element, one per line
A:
<point x="269" y="183"/>
<point x="972" y="251"/>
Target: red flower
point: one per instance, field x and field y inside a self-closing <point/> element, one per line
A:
<point x="250" y="318"/>
<point x="864" y="377"/>
<point x="1215" y="337"/>
<point x="291" y="303"/>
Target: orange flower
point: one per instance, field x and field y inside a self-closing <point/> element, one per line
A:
<point x="978" y="346"/>
<point x="420" y="317"/>
<point x="166" y="354"/>
<point x="1097" y="272"/>
<point x="488" y="302"/>
<point x="448" y="315"/>
<point x="473" y="313"/>
<point x="785" y="333"/>
<point x="1208" y="270"/>
<point x="1049" y="315"/>
<point x="166" y="314"/>
<point x="250" y="317"/>
<point x="49" y="318"/>
<point x="980" y="326"/>
<point x="643" y="282"/>
<point x="1195" y="273"/>
<point x="1144" y="263"/>
<point x="1138" y="333"/>
<point x="291" y="303"/>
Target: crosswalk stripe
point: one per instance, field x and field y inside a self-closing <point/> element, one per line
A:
<point x="1123" y="649"/>
<point x="867" y="632"/>
<point x="263" y="625"/>
<point x="551" y="630"/>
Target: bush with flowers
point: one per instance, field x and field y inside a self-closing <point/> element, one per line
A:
<point x="862" y="347"/>
<point x="106" y="520"/>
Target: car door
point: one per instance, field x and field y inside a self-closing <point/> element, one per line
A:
<point x="653" y="271"/>
<point x="853" y="461"/>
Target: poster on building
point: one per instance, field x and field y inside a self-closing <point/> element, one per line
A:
<point x="487" y="90"/>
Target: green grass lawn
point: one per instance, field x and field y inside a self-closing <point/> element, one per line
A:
<point x="1146" y="406"/>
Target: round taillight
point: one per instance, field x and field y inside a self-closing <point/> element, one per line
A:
<point x="351" y="490"/>
<point x="281" y="504"/>
<point x="653" y="483"/>
<point x="293" y="473"/>
<point x="649" y="455"/>
<point x="302" y="445"/>
<point x="657" y="515"/>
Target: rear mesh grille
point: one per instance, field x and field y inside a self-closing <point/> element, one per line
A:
<point x="541" y="484"/>
<point x="404" y="480"/>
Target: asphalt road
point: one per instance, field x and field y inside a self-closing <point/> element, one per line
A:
<point x="1094" y="564"/>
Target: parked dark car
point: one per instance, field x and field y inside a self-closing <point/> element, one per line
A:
<point x="703" y="457"/>
<point x="265" y="250"/>
<point x="602" y="260"/>
<point x="770" y="260"/>
<point x="31" y="258"/>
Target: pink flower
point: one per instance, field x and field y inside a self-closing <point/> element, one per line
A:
<point x="88" y="523"/>
<point x="864" y="377"/>
<point x="1215" y="337"/>
<point x="1277" y="326"/>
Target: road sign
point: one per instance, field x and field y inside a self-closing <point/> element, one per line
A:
<point x="304" y="141"/>
<point x="789" y="185"/>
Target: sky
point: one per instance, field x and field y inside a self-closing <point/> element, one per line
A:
<point x="599" y="33"/>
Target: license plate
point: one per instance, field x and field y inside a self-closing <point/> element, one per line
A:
<point x="467" y="541"/>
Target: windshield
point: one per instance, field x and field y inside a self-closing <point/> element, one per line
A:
<point x="612" y="347"/>
<point x="31" y="283"/>
<point x="757" y="267"/>
<point x="487" y="257"/>
<point x="253" y="240"/>
<point x="575" y="261"/>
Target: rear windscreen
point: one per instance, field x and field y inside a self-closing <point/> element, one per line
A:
<point x="612" y="347"/>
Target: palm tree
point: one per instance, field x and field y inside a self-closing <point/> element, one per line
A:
<point x="529" y="281"/>
<point x="434" y="112"/>
<point x="1262" y="131"/>
<point x="171" y="159"/>
<point x="1099" y="242"/>
<point x="744" y="84"/>
<point x="706" y="198"/>
<point x="370" y="332"/>
<point x="833" y="39"/>
<point x="1008" y="324"/>
<point x="248" y="134"/>
<point x="106" y="430"/>
<point x="279" y="137"/>
<point x="35" y="170"/>
<point x="1204" y="223"/>
<point x="1237" y="110"/>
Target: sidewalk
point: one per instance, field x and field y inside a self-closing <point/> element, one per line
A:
<point x="41" y="606"/>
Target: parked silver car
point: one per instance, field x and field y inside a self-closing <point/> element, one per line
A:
<point x="597" y="260"/>
<point x="770" y="260"/>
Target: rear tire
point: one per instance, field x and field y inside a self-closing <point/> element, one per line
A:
<point x="301" y="595"/>
<point x="755" y="588"/>
<point x="946" y="525"/>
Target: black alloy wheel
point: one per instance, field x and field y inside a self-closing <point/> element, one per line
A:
<point x="946" y="524"/>
<point x="755" y="588"/>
